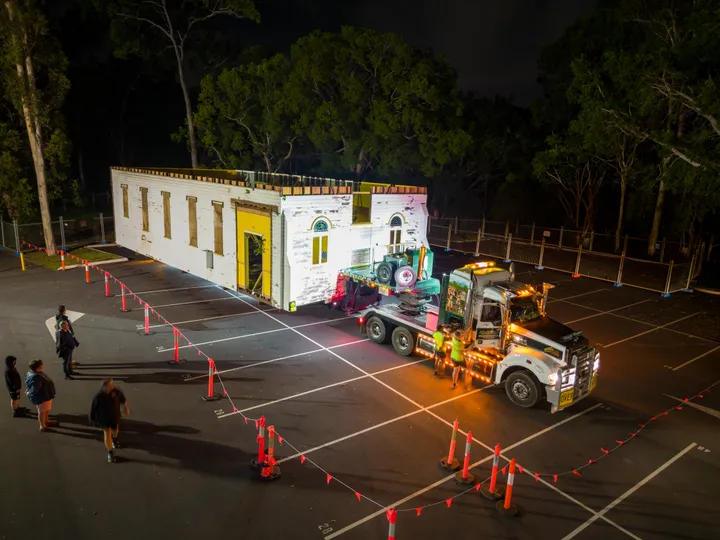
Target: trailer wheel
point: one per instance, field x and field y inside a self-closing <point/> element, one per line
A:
<point x="376" y="330"/>
<point x="522" y="389"/>
<point x="384" y="273"/>
<point x="403" y="341"/>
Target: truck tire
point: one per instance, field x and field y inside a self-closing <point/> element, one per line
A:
<point x="384" y="273"/>
<point x="522" y="389"/>
<point x="403" y="341"/>
<point x="376" y="330"/>
<point x="405" y="277"/>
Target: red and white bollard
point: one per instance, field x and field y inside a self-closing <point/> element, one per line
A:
<point x="211" y="395"/>
<point x="62" y="259"/>
<point x="260" y="461"/>
<point x="87" y="272"/>
<point x="107" y="285"/>
<point x="271" y="470"/>
<point x="465" y="476"/>
<point x="176" y="354"/>
<point x="124" y="300"/>
<point x="392" y="519"/>
<point x="147" y="320"/>
<point x="449" y="463"/>
<point x="492" y="492"/>
<point x="506" y="508"/>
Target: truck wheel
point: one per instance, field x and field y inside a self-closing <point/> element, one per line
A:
<point x="522" y="389"/>
<point x="376" y="330"/>
<point x="403" y="341"/>
<point x="405" y="276"/>
<point x="384" y="273"/>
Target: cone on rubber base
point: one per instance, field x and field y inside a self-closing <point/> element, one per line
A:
<point x="465" y="481"/>
<point x="454" y="466"/>
<point x="492" y="495"/>
<point x="177" y="362"/>
<point x="506" y="512"/>
<point x="270" y="473"/>
<point x="214" y="397"/>
<point x="258" y="465"/>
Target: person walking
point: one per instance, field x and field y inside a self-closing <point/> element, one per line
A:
<point x="65" y="344"/>
<point x="13" y="382"/>
<point x="457" y="355"/>
<point x="439" y="337"/>
<point x="61" y="316"/>
<point x="105" y="414"/>
<point x="40" y="390"/>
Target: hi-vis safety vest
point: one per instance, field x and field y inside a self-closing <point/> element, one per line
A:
<point x="439" y="338"/>
<point x="457" y="350"/>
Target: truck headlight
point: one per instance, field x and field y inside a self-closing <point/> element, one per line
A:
<point x="552" y="378"/>
<point x="596" y="365"/>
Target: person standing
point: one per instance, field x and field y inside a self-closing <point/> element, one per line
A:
<point x="65" y="344"/>
<point x="457" y="355"/>
<point x="40" y="390"/>
<point x="439" y="337"/>
<point x="13" y="382"/>
<point x="61" y="316"/>
<point x="105" y="414"/>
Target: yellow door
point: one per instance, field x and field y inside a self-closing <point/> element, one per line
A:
<point x="253" y="239"/>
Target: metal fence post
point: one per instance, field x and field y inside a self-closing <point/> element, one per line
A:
<point x="542" y="253"/>
<point x="532" y="234"/>
<point x="102" y="229"/>
<point x="692" y="269"/>
<point x="662" y="249"/>
<point x="507" y="228"/>
<point x="667" y="281"/>
<point x="62" y="234"/>
<point x="507" y="252"/>
<point x="592" y="237"/>
<point x="477" y="243"/>
<point x="447" y="246"/>
<point x="560" y="241"/>
<point x="618" y="281"/>
<point x="456" y="224"/>
<point x="577" y="263"/>
<point x="482" y="227"/>
<point x="17" y="236"/>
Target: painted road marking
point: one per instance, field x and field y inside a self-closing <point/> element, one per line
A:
<point x="180" y="303"/>
<point x="432" y="486"/>
<point x="599" y="312"/>
<point x="696" y="358"/>
<point x="50" y="323"/>
<point x="577" y="295"/>
<point x="649" y="331"/>
<point x="231" y="338"/>
<point x="247" y="366"/>
<point x="703" y="408"/>
<point x="154" y="291"/>
<point x="629" y="492"/>
<point x="141" y="326"/>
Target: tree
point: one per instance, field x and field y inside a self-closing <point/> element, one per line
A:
<point x="16" y="193"/>
<point x="36" y="85"/>
<point x="174" y="23"/>
<point x="243" y="116"/>
<point x="370" y="102"/>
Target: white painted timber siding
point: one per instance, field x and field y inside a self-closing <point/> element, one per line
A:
<point x="177" y="251"/>
<point x="411" y="208"/>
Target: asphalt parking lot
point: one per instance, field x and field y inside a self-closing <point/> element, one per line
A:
<point x="378" y="423"/>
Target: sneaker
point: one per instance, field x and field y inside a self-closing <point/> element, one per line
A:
<point x="46" y="429"/>
<point x="453" y="386"/>
<point x="115" y="443"/>
<point x="111" y="457"/>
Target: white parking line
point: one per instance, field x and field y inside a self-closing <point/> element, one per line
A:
<point x="610" y="311"/>
<point x="648" y="331"/>
<point x="698" y="357"/>
<point x="231" y="338"/>
<point x="629" y="492"/>
<point x="247" y="366"/>
<point x="280" y="400"/>
<point x="175" y="323"/>
<point x="432" y="486"/>
<point x="182" y="304"/>
<point x="577" y="295"/>
<point x="176" y="289"/>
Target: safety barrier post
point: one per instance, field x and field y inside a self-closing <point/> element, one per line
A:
<point x="102" y="229"/>
<point x="666" y="293"/>
<point x="692" y="269"/>
<point x="506" y="508"/>
<point x="107" y="285"/>
<point x="507" y="251"/>
<point x="124" y="301"/>
<point x="447" y="246"/>
<point x="16" y="229"/>
<point x="492" y="492"/>
<point x="449" y="463"/>
<point x="482" y="227"/>
<point x="532" y="234"/>
<point x="22" y="261"/>
<point x="561" y="237"/>
<point x="477" y="243"/>
<point x="87" y="272"/>
<point x="542" y="254"/>
<point x="391" y="515"/>
<point x="577" y="263"/>
<point x="176" y="343"/>
<point x="465" y="476"/>
<point x="260" y="461"/>
<point x="618" y="281"/>
<point x="62" y="233"/>
<point x="271" y="471"/>
<point x="211" y="395"/>
<point x="62" y="259"/>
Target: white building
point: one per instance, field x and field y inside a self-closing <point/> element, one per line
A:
<point x="283" y="238"/>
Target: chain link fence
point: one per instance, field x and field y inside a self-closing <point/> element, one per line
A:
<point x="68" y="234"/>
<point x="566" y="251"/>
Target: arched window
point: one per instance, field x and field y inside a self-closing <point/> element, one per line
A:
<point x="321" y="226"/>
<point x="320" y="241"/>
<point x="396" y="221"/>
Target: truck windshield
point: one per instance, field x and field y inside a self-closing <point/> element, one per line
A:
<point x="524" y="308"/>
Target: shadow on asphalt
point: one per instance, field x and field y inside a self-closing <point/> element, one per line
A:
<point x="178" y="375"/>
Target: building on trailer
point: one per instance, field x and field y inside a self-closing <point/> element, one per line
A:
<point x="282" y="238"/>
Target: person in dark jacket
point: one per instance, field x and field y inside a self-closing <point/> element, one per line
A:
<point x="13" y="382"/>
<point x="40" y="390"/>
<point x="65" y="344"/>
<point x="105" y="414"/>
<point x="61" y="316"/>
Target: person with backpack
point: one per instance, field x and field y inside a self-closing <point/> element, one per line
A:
<point x="40" y="390"/>
<point x="65" y="344"/>
<point x="13" y="382"/>
<point x="105" y="414"/>
<point x="61" y="316"/>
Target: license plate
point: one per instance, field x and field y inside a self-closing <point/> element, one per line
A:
<point x="593" y="381"/>
<point x="566" y="397"/>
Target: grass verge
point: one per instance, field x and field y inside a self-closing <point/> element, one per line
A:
<point x="54" y="262"/>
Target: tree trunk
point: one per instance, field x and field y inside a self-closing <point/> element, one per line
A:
<point x="657" y="217"/>
<point x="621" y="213"/>
<point x="188" y="111"/>
<point x="360" y="165"/>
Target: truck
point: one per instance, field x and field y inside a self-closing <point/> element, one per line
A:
<point x="511" y="340"/>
